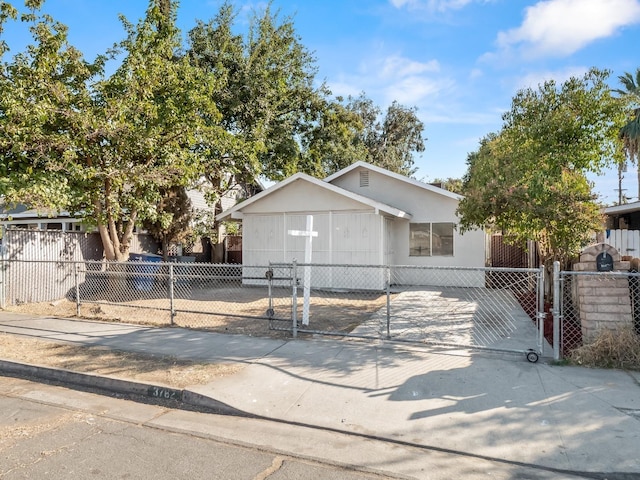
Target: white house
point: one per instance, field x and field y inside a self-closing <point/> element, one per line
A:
<point x="364" y="215"/>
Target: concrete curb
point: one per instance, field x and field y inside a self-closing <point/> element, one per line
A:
<point x="158" y="393"/>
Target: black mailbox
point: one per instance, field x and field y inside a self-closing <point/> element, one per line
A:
<point x="604" y="262"/>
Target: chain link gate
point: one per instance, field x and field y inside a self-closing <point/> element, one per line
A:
<point x="496" y="309"/>
<point x="499" y="309"/>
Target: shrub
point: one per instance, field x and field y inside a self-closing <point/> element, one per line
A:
<point x="611" y="349"/>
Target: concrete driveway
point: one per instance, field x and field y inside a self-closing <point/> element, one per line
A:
<point x="458" y="317"/>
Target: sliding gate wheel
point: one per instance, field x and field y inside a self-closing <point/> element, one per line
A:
<point x="532" y="356"/>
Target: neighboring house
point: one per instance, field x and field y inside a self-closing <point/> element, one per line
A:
<point x="222" y="246"/>
<point x="623" y="217"/>
<point x="24" y="218"/>
<point x="622" y="228"/>
<point x="364" y="215"/>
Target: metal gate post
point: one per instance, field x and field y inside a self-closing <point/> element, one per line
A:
<point x="556" y="310"/>
<point x="541" y="313"/>
<point x="3" y="267"/>
<point x="76" y="275"/>
<point x="294" y="300"/>
<point x="388" y="302"/>
<point x="171" y="294"/>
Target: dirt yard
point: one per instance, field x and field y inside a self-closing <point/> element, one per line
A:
<point x="231" y="310"/>
<point x="161" y="370"/>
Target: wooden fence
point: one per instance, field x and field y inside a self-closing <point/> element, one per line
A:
<point x="502" y="254"/>
<point x="56" y="245"/>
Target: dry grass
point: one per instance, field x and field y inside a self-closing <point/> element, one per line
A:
<point x="164" y="370"/>
<point x="611" y="349"/>
<point x="230" y="311"/>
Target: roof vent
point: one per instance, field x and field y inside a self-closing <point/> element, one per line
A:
<point x="364" y="178"/>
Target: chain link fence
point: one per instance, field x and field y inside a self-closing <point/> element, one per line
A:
<point x="191" y="295"/>
<point x="500" y="309"/>
<point x="487" y="308"/>
<point x="590" y="303"/>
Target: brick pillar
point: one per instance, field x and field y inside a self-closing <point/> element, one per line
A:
<point x="602" y="302"/>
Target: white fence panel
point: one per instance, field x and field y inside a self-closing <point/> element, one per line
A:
<point x="627" y="242"/>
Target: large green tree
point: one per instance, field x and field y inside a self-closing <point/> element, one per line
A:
<point x="44" y="95"/>
<point x="393" y="139"/>
<point x="529" y="180"/>
<point x="174" y="222"/>
<point x="280" y="121"/>
<point x="334" y="141"/>
<point x="267" y="98"/>
<point x="630" y="132"/>
<point x="355" y="129"/>
<point x="105" y="148"/>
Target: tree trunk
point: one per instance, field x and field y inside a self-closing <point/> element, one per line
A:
<point x="165" y="249"/>
<point x="115" y="249"/>
<point x="107" y="245"/>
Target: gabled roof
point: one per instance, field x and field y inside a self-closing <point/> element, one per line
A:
<point x="378" y="206"/>
<point x="22" y="211"/>
<point x="397" y="176"/>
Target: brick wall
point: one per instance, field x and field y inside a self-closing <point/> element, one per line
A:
<point x="603" y="301"/>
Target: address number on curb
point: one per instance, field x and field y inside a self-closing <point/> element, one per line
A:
<point x="164" y="393"/>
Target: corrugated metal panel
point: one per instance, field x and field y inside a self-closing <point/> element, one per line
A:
<point x="343" y="238"/>
<point x="52" y="246"/>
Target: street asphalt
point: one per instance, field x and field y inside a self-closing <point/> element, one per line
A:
<point x="474" y="407"/>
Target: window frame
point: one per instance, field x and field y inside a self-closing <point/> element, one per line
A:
<point x="428" y="228"/>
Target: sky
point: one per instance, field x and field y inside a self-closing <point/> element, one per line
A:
<point x="459" y="62"/>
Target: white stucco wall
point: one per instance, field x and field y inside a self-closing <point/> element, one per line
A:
<point x="354" y="233"/>
<point x="303" y="196"/>
<point x="425" y="207"/>
<point x="400" y="194"/>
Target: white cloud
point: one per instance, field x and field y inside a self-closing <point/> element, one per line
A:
<point x="412" y="90"/>
<point x="476" y="73"/>
<point x="394" y="77"/>
<point x="396" y="66"/>
<point x="562" y="27"/>
<point x="345" y="88"/>
<point x="533" y="79"/>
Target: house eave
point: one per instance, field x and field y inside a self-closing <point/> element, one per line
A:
<point x="397" y="176"/>
<point x="235" y="213"/>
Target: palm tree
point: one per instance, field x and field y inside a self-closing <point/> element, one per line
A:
<point x="630" y="133"/>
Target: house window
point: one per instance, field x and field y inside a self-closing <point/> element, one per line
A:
<point x="430" y="239"/>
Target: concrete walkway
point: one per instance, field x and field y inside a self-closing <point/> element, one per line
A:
<point x="478" y="406"/>
<point x="469" y="317"/>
